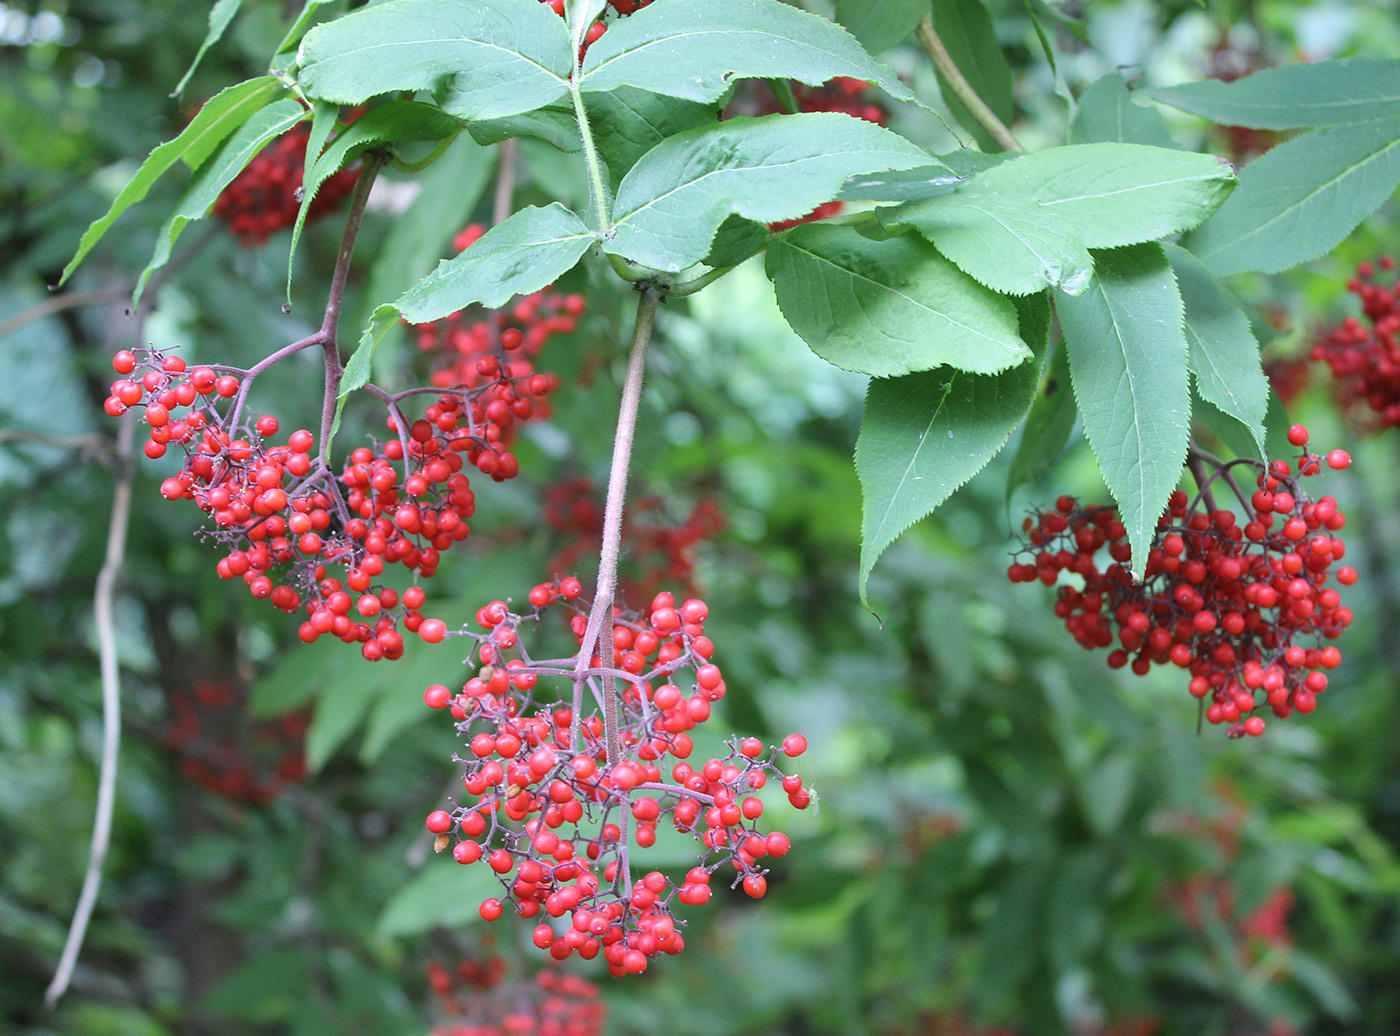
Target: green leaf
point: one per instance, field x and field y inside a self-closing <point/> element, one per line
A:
<point x="521" y="254"/>
<point x="299" y="677"/>
<point x="220" y="116"/>
<point x="360" y="364"/>
<point x="1010" y="243"/>
<point x="1302" y="198"/>
<point x="696" y="51"/>
<point x="628" y="123"/>
<point x="443" y="894"/>
<point x="880" y="24"/>
<point x="417" y="237"/>
<point x="777" y="167"/>
<point x="924" y="435"/>
<point x="219" y="17"/>
<point x="736" y="240"/>
<point x="1223" y="353"/>
<point x="1048" y="424"/>
<point x="393" y="122"/>
<point x="298" y="28"/>
<point x="323" y="119"/>
<point x="484" y="60"/>
<point x="1305" y="94"/>
<point x="1115" y="194"/>
<point x="967" y="162"/>
<point x="925" y="181"/>
<point x="398" y="706"/>
<point x="1074" y="912"/>
<point x="967" y="32"/>
<point x="1233" y="434"/>
<point x="250" y="138"/>
<point x="1107" y="113"/>
<point x="888" y="307"/>
<point x="1127" y="358"/>
<point x="338" y="714"/>
<point x="555" y="124"/>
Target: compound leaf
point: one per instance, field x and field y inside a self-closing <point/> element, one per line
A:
<point x="1010" y="243"/>
<point x="221" y="115"/>
<point x="1302" y="198"/>
<point x="1048" y="425"/>
<point x="924" y="435"/>
<point x="393" y="122"/>
<point x="521" y="254"/>
<point x="889" y="307"/>
<point x="1127" y="358"/>
<point x="1306" y="94"/>
<point x="696" y="51"/>
<point x="880" y="24"/>
<point x="219" y="17"/>
<point x="218" y="173"/>
<point x="485" y="60"/>
<point x="1223" y="353"/>
<point x="777" y="167"/>
<point x="1115" y="194"/>
<point x="1106" y="112"/>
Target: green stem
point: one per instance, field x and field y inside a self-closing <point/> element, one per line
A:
<point x="962" y="89"/>
<point x="428" y="159"/>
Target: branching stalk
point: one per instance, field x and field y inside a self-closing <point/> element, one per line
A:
<point x="962" y="89"/>
<point x="600" y="614"/>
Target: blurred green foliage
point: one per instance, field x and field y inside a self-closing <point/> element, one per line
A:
<point x="1008" y="834"/>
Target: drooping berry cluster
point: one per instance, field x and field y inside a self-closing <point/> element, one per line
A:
<point x="655" y="551"/>
<point x="266" y="195"/>
<point x="229" y="753"/>
<point x="1363" y="354"/>
<point x="468" y="349"/>
<point x="304" y="538"/>
<point x="568" y="788"/>
<point x="1244" y="609"/>
<point x="478" y="999"/>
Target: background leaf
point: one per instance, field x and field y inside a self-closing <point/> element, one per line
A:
<point x="221" y="115"/>
<point x="444" y="894"/>
<point x="1223" y="353"/>
<point x="1296" y="96"/>
<point x="880" y="24"/>
<point x="676" y="48"/>
<point x="967" y="32"/>
<point x="778" y="167"/>
<point x="628" y="122"/>
<point x="1301" y="198"/>
<point x="1107" y="112"/>
<point x="1048" y="425"/>
<point x="1127" y="357"/>
<point x="219" y="17"/>
<point x="888" y="307"/>
<point x="924" y="435"/>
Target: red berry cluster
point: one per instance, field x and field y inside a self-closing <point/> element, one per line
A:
<point x="228" y="753"/>
<point x="1231" y="604"/>
<point x="278" y="509"/>
<point x="470" y="351"/>
<point x="558" y="811"/>
<point x="596" y="30"/>
<point x="1363" y="354"/>
<point x="476" y="999"/>
<point x="266" y="195"/>
<point x="657" y="551"/>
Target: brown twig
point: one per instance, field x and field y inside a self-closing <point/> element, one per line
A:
<point x="962" y="89"/>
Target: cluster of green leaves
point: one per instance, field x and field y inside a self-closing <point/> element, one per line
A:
<point x="942" y="291"/>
